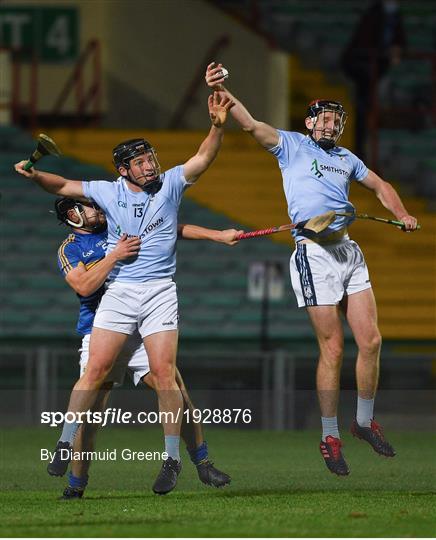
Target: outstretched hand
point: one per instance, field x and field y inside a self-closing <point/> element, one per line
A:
<point x="214" y="76"/>
<point x="219" y="105"/>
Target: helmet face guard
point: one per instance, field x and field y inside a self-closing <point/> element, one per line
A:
<point x="128" y="150"/>
<point x="316" y="112"/>
<point x="63" y="205"/>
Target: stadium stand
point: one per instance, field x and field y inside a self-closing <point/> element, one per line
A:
<point x="243" y="187"/>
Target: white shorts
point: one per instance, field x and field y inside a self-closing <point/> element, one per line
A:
<point x="148" y="307"/>
<point x="322" y="274"/>
<point x="132" y="357"/>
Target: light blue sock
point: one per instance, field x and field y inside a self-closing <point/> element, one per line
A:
<point x="365" y="411"/>
<point x="329" y="427"/>
<point x="172" y="444"/>
<point x="69" y="432"/>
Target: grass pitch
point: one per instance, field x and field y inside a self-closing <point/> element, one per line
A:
<point x="280" y="488"/>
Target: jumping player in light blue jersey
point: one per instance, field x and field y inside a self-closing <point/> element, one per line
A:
<point x="328" y="271"/>
<point x="82" y="261"/>
<point x="141" y="294"/>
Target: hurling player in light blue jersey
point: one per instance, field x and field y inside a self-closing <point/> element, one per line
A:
<point x="82" y="261"/>
<point x="141" y="294"/>
<point x="328" y="271"/>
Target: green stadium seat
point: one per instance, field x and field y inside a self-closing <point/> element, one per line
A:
<point x="239" y="330"/>
<point x="19" y="264"/>
<point x="298" y="330"/>
<point x="39" y="247"/>
<point x="47" y="282"/>
<point x="25" y="299"/>
<point x="11" y="281"/>
<point x="43" y="330"/>
<point x="187" y="281"/>
<point x="221" y="299"/>
<point x="16" y="229"/>
<point x="203" y="316"/>
<point x="185" y="300"/>
<point x="55" y="317"/>
<point x="232" y="281"/>
<point x="207" y="262"/>
<point x="244" y="316"/>
<point x="14" y="317"/>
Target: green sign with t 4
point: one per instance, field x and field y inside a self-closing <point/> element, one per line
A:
<point x="49" y="33"/>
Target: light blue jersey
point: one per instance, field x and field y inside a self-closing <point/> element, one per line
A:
<point x="315" y="180"/>
<point x="151" y="217"/>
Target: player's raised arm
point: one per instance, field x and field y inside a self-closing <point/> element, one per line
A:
<point x="209" y="148"/>
<point x="86" y="282"/>
<point x="53" y="183"/>
<point x="390" y="199"/>
<point x="266" y="135"/>
<point x="195" y="232"/>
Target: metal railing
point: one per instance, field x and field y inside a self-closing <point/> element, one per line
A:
<point x="33" y="380"/>
<point x="189" y="97"/>
<point x="84" y="98"/>
<point x="19" y="86"/>
<point x="37" y="382"/>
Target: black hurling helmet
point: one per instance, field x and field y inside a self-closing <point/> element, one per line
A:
<point x="127" y="150"/>
<point x="325" y="105"/>
<point x="64" y="204"/>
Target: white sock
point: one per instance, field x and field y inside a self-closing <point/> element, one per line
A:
<point x="69" y="431"/>
<point x="329" y="427"/>
<point x="365" y="411"/>
<point x="172" y="443"/>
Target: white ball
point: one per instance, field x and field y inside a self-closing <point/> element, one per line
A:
<point x="224" y="73"/>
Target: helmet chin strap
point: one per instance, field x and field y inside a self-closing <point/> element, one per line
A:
<point x="324" y="142"/>
<point x="151" y="187"/>
<point x="99" y="227"/>
<point x="76" y="225"/>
